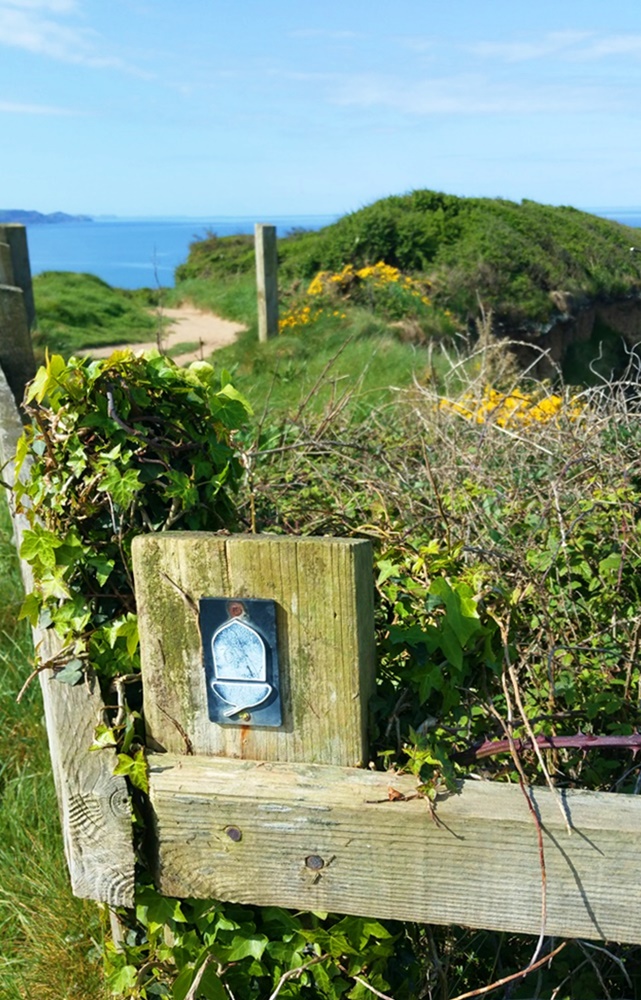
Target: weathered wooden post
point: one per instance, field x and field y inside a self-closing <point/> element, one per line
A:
<point x="95" y="810"/>
<point x="6" y="265"/>
<point x="16" y="350"/>
<point x="17" y="309"/>
<point x="14" y="236"/>
<point x="266" y="280"/>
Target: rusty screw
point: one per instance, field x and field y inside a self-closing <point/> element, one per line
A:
<point x="234" y="833"/>
<point x="314" y="862"/>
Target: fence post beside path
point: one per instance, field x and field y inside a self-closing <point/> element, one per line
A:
<point x="266" y="280"/>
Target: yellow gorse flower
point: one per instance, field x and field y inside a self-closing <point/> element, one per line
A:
<point x="378" y="275"/>
<point x="513" y="409"/>
<point x="329" y="283"/>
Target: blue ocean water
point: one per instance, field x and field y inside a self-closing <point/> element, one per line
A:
<point x="138" y="253"/>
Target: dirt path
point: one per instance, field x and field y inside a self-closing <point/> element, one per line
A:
<point x="200" y="332"/>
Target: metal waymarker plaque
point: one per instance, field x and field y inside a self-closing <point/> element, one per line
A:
<point x="241" y="661"/>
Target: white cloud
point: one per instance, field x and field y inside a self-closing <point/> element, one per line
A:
<point x="472" y="94"/>
<point x="31" y="25"/>
<point x="569" y="46"/>
<point x="55" y="6"/>
<point x="14" y="108"/>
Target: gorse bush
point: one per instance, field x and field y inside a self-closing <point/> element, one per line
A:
<point x="381" y="289"/>
<point x="510" y="255"/>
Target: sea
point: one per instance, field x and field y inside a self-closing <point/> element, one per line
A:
<point x="144" y="252"/>
<point x="139" y="252"/>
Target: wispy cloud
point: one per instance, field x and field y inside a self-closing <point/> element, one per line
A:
<point x="36" y="26"/>
<point x="569" y="46"/>
<point x="15" y="108"/>
<point x="472" y="94"/>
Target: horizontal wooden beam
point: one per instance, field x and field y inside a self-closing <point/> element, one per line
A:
<point x="329" y="838"/>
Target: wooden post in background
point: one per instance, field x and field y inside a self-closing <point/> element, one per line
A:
<point x="6" y="265"/>
<point x="266" y="280"/>
<point x="16" y="350"/>
<point x="14" y="236"/>
<point x="17" y="309"/>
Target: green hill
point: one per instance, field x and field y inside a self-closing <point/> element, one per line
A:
<point x="511" y="257"/>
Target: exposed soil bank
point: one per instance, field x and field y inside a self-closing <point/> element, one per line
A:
<point x="581" y="331"/>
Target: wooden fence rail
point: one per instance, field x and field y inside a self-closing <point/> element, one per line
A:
<point x="277" y="813"/>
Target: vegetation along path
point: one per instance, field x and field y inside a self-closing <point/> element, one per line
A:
<point x="190" y="333"/>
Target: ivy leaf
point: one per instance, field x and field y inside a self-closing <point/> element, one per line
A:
<point x="72" y="673"/>
<point x="124" y="979"/>
<point x="244" y="947"/>
<point x="122" y="486"/>
<point x="135" y="768"/>
<point x="30" y="609"/>
<point x="38" y="547"/>
<point x="104" y="736"/>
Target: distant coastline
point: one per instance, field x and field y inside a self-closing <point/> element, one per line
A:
<point x="27" y="218"/>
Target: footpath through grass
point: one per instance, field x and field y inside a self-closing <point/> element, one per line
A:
<point x="49" y="941"/>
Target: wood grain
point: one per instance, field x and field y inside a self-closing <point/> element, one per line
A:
<point x="16" y="352"/>
<point x="477" y="865"/>
<point x="325" y="621"/>
<point x="6" y="265"/>
<point x="14" y="235"/>
<point x="95" y="810"/>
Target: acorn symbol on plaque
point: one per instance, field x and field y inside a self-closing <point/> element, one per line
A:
<point x="240" y="663"/>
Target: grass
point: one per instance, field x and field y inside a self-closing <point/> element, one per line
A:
<point x="78" y="311"/>
<point x="363" y="354"/>
<point x="47" y="938"/>
<point x="233" y="297"/>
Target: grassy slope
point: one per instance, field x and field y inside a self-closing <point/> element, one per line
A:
<point x="80" y="310"/>
<point x="510" y="255"/>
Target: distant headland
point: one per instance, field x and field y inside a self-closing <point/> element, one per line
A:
<point x="27" y="218"/>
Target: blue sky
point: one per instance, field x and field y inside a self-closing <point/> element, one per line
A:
<point x="248" y="107"/>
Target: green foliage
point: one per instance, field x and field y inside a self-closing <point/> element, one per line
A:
<point x="220" y="256"/>
<point x="118" y="447"/>
<point x="80" y="310"/>
<point x="244" y="952"/>
<point x="233" y="297"/>
<point x="48" y="939"/>
<point x="510" y="255"/>
<point x="507" y="569"/>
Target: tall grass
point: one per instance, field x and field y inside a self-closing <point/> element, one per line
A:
<point x="48" y="939"/>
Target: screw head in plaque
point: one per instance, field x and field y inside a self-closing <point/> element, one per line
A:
<point x="240" y="656"/>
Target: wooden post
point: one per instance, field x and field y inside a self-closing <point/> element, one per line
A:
<point x="266" y="281"/>
<point x="16" y="350"/>
<point x="6" y="265"/>
<point x="323" y="591"/>
<point x="15" y="236"/>
<point x="94" y="804"/>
